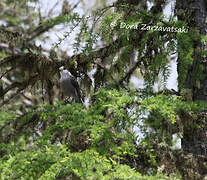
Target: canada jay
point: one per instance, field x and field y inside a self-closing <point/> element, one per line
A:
<point x="69" y="85"/>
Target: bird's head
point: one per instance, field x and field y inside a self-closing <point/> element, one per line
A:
<point x="64" y="72"/>
<point x="61" y="68"/>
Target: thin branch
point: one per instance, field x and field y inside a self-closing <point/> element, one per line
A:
<point x="21" y="87"/>
<point x="52" y="9"/>
<point x="130" y="72"/>
<point x="75" y="6"/>
<point x="6" y="72"/>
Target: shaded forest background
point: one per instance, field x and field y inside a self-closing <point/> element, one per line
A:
<point x="120" y="132"/>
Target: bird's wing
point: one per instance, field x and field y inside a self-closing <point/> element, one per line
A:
<point x="75" y="84"/>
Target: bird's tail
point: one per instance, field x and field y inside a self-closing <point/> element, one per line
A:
<point x="79" y="100"/>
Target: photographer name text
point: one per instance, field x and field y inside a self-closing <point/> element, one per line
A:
<point x="145" y="27"/>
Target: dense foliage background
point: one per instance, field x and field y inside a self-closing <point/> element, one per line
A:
<point x="120" y="132"/>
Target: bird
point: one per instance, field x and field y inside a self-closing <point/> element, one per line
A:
<point x="69" y="85"/>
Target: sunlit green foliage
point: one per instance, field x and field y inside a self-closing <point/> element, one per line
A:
<point x="70" y="140"/>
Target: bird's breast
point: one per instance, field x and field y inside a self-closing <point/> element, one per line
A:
<point x="67" y="88"/>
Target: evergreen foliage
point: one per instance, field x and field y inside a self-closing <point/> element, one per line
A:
<point x="69" y="140"/>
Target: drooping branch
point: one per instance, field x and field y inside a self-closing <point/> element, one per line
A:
<point x="31" y="64"/>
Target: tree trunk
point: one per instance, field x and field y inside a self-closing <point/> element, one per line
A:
<point x="194" y="13"/>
